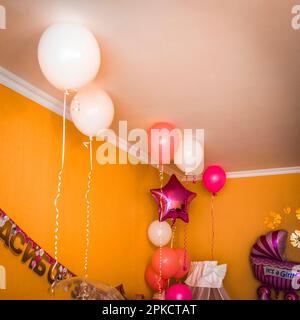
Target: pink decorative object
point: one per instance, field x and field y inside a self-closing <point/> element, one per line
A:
<point x="271" y="267"/>
<point x="214" y="178"/>
<point x="173" y="200"/>
<point x="178" y="292"/>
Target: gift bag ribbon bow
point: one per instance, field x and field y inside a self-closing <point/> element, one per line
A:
<point x="207" y="274"/>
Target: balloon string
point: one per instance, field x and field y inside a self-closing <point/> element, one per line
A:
<point x="161" y="178"/>
<point x="185" y="247"/>
<point x="160" y="264"/>
<point x="87" y="235"/>
<point x="172" y="241"/>
<point x="173" y="235"/>
<point x="212" y="227"/>
<point x="66" y="93"/>
<point x="57" y="216"/>
<point x="54" y="278"/>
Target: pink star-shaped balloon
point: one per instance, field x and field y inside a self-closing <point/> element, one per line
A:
<point x="173" y="200"/>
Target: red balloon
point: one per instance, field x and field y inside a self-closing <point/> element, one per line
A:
<point x="184" y="264"/>
<point x="169" y="262"/>
<point x="214" y="178"/>
<point x="152" y="279"/>
<point x="164" y="146"/>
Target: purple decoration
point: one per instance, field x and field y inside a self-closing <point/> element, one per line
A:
<point x="173" y="200"/>
<point x="264" y="293"/>
<point x="271" y="246"/>
<point x="291" y="296"/>
<point x="270" y="266"/>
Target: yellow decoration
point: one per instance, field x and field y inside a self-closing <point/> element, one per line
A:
<point x="271" y="226"/>
<point x="298" y="214"/>
<point x="273" y="221"/>
<point x="295" y="239"/>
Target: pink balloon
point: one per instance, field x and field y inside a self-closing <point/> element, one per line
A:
<point x="169" y="262"/>
<point x="184" y="263"/>
<point x="152" y="279"/>
<point x="159" y="153"/>
<point x="214" y="178"/>
<point x="179" y="291"/>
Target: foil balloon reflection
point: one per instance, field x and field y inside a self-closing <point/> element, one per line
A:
<point x="271" y="267"/>
<point x="173" y="200"/>
<point x="77" y="288"/>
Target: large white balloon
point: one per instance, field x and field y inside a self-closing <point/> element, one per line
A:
<point x="69" y="55"/>
<point x="159" y="233"/>
<point x="92" y="110"/>
<point x="189" y="156"/>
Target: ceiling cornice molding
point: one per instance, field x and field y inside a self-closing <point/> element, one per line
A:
<point x="263" y="172"/>
<point x="26" y="89"/>
<point x="31" y="92"/>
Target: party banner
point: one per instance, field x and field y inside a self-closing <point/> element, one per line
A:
<point x="30" y="253"/>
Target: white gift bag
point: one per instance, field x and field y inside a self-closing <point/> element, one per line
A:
<point x="205" y="280"/>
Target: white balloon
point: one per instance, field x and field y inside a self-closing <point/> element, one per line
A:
<point x="69" y="55"/>
<point x="159" y="233"/>
<point x="92" y="111"/>
<point x="189" y="156"/>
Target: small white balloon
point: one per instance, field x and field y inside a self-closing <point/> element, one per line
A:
<point x="92" y="111"/>
<point x="69" y="55"/>
<point x="189" y="156"/>
<point x="159" y="233"/>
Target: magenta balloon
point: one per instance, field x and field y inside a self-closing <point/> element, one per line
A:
<point x="179" y="292"/>
<point x="214" y="178"/>
<point x="173" y="200"/>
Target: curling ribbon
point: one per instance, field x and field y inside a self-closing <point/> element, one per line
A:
<point x="66" y="93"/>
<point x="173" y="235"/>
<point x="212" y="227"/>
<point x="185" y="247"/>
<point x="87" y="243"/>
<point x="161" y="178"/>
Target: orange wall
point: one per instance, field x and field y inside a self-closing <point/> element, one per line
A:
<point x="122" y="208"/>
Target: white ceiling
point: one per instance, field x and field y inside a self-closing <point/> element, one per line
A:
<point x="231" y="67"/>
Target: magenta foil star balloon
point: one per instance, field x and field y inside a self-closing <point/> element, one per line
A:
<point x="173" y="200"/>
